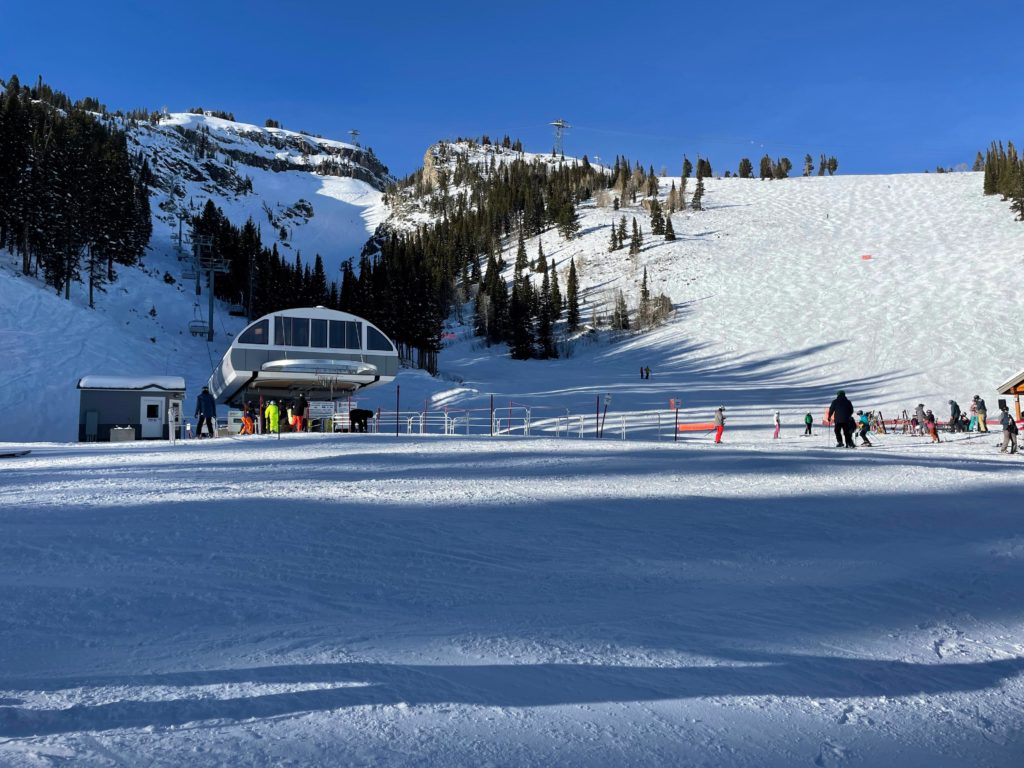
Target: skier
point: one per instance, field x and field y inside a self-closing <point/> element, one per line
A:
<point x="982" y="413"/>
<point x="247" y="426"/>
<point x="1009" y="430"/>
<point x="973" y="423"/>
<point x="864" y="424"/>
<point x="931" y="426"/>
<point x="647" y="372"/>
<point x="299" y="410"/>
<point x="778" y="425"/>
<point x="719" y="423"/>
<point x="808" y="421"/>
<point x="922" y="418"/>
<point x="273" y="415"/>
<point x="954" y="416"/>
<point x="841" y="411"/>
<point x="206" y="411"/>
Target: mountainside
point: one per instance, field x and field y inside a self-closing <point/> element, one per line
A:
<point x="325" y="194"/>
<point x="898" y="288"/>
<point x="309" y="194"/>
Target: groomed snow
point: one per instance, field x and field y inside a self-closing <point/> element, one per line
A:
<point x="365" y="600"/>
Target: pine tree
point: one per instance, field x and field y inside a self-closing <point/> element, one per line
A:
<point x="979" y="163"/>
<point x="657" y="218"/>
<point x="687" y="169"/>
<point x="636" y="241"/>
<point x="545" y="321"/>
<point x="822" y="164"/>
<point x="572" y="315"/>
<point x="766" y="168"/>
<point x="746" y="169"/>
<point x="644" y="313"/>
<point x="622" y="231"/>
<point x="670" y="233"/>
<point x="620" y="316"/>
<point x="698" y="195"/>
<point x="614" y="244"/>
<point x="808" y="165"/>
<point x="521" y="262"/>
<point x="673" y="199"/>
<point x="556" y="293"/>
<point x="521" y="330"/>
<point x="541" y="264"/>
<point x="833" y="165"/>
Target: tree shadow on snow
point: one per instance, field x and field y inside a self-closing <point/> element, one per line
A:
<point x="500" y="685"/>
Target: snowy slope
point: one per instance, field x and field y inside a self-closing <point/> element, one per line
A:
<point x="49" y="343"/>
<point x="373" y="600"/>
<point x="776" y="306"/>
<point x="284" y="170"/>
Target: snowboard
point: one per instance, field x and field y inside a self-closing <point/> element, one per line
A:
<point x="14" y="454"/>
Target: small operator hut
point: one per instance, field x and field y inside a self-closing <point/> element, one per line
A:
<point x="114" y="408"/>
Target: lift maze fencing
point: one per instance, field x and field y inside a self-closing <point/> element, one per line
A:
<point x="517" y="421"/>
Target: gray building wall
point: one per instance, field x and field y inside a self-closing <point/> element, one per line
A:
<point x="119" y="408"/>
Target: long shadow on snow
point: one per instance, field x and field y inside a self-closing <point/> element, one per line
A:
<point x="504" y="685"/>
<point x="515" y="458"/>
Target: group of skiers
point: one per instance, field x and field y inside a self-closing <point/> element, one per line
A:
<point x="847" y="422"/>
<point x="206" y="413"/>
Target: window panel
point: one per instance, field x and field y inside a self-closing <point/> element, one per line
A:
<point x="354" y="335"/>
<point x="337" y="334"/>
<point x="257" y="333"/>
<point x="318" y="333"/>
<point x="377" y="341"/>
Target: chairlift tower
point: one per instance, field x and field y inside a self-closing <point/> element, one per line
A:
<point x="560" y="127"/>
<point x="355" y="136"/>
<point x="206" y="261"/>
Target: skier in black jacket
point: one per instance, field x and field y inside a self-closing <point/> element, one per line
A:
<point x="841" y="413"/>
<point x="954" y="416"/>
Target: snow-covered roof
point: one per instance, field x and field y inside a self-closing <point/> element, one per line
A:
<point x="1012" y="386"/>
<point x="169" y="383"/>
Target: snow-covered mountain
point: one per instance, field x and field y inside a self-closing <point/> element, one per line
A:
<point x="899" y="288"/>
<point x="307" y="193"/>
<point x="325" y="195"/>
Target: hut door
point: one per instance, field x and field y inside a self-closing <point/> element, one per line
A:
<point x="152" y="418"/>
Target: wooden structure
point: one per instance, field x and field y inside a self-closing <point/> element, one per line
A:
<point x="1013" y="386"/>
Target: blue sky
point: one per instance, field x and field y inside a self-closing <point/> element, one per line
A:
<point x="886" y="87"/>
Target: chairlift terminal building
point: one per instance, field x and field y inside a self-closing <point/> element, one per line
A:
<point x="320" y="352"/>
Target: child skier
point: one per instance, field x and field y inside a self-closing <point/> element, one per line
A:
<point x="863" y="425"/>
<point x="808" y="421"/>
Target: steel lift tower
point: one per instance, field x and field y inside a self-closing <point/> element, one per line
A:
<point x="560" y="127"/>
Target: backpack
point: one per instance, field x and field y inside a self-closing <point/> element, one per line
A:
<point x="1012" y="427"/>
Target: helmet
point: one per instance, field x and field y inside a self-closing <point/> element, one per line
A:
<point x="860" y="413"/>
<point x="950" y="402"/>
<point x="721" y="407"/>
<point x="841" y="393"/>
<point x="920" y="405"/>
<point x="977" y="397"/>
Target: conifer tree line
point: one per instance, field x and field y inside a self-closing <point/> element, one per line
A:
<point x="480" y="205"/>
<point x="1004" y="174"/>
<point x="392" y="291"/>
<point x="73" y="200"/>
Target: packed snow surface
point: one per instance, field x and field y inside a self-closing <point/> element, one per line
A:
<point x="431" y="600"/>
<point x="466" y="600"/>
